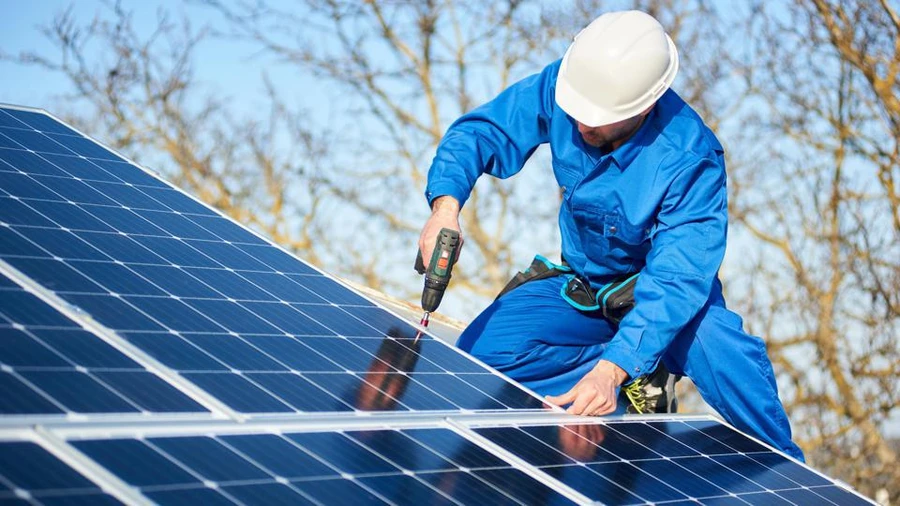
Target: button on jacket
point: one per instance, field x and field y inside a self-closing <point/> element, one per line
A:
<point x="657" y="204"/>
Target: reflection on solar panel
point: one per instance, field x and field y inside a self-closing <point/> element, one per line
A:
<point x="173" y="356"/>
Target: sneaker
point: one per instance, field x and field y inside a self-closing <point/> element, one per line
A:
<point x="652" y="393"/>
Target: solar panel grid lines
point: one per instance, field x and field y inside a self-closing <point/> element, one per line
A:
<point x="40" y="468"/>
<point x="99" y="349"/>
<point x="684" y="460"/>
<point x="168" y="270"/>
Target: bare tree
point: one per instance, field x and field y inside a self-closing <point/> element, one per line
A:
<point x="820" y="196"/>
<point x="140" y="95"/>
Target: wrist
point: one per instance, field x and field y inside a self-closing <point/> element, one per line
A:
<point x="610" y="368"/>
<point x="445" y="204"/>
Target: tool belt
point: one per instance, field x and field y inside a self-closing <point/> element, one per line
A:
<point x="614" y="299"/>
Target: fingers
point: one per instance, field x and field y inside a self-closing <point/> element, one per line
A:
<point x="562" y="400"/>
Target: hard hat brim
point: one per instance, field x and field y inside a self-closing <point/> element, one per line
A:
<point x="589" y="114"/>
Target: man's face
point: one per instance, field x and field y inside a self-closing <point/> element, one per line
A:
<point x="611" y="135"/>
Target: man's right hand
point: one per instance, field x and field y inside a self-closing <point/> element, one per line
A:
<point x="444" y="214"/>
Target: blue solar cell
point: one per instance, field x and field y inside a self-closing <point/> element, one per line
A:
<point x="631" y="478"/>
<point x="79" y="499"/>
<point x="81" y="168"/>
<point x="14" y="212"/>
<point x="230" y="284"/>
<point x="467" y="488"/>
<point x="69" y="216"/>
<point x="124" y="220"/>
<point x="6" y="143"/>
<point x="459" y="392"/>
<point x="407" y="490"/>
<point x="225" y="230"/>
<point x="174" y="351"/>
<point x="36" y="141"/>
<point x="26" y="309"/>
<point x="299" y="392"/>
<point x="55" y="275"/>
<point x="234" y="352"/>
<point x="13" y="244"/>
<point x="174" y="251"/>
<point x="121" y="248"/>
<point x="269" y="493"/>
<point x="24" y="186"/>
<point x="651" y="438"/>
<point x="342" y="351"/>
<point x="37" y="121"/>
<point x="238" y="393"/>
<point x="580" y="442"/>
<point x="74" y="191"/>
<point x="149" y="392"/>
<point x="279" y="456"/>
<point x="129" y="196"/>
<point x="347" y="388"/>
<point x="84" y="147"/>
<point x="209" y="459"/>
<point x="228" y="255"/>
<point x="790" y="469"/>
<point x="116" y="278"/>
<point x="281" y="286"/>
<point x="176" y="225"/>
<point x="20" y="399"/>
<point x="7" y="120"/>
<point x="112" y="312"/>
<point x="339" y="321"/>
<point x="728" y="436"/>
<point x="343" y="453"/>
<point x="520" y="486"/>
<point x="456" y="448"/>
<point x="279" y="260"/>
<point x="20" y="349"/>
<point x="175" y="281"/>
<point x="136" y="463"/>
<point x="232" y="316"/>
<point x="58" y="243"/>
<point x="329" y="290"/>
<point x="31" y="163"/>
<point x="294" y="354"/>
<point x="79" y="392"/>
<point x="175" y="200"/>
<point x="173" y="314"/>
<point x="325" y="490"/>
<point x="189" y="497"/>
<point x="83" y="349"/>
<point x="286" y="318"/>
<point x="503" y="391"/>
<point x="402" y="450"/>
<point x="29" y="467"/>
<point x="130" y="174"/>
<point x="755" y="471"/>
<point x="590" y="484"/>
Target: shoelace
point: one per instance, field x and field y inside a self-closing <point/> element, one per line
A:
<point x="636" y="394"/>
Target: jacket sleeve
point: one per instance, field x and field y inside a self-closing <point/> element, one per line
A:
<point x="687" y="248"/>
<point x="496" y="138"/>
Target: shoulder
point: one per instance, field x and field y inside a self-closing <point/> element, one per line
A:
<point x="682" y="135"/>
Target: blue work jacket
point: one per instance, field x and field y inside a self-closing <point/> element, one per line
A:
<point x="657" y="204"/>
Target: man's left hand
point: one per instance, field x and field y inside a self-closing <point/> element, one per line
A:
<point x="595" y="393"/>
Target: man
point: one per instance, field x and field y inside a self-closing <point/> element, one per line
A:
<point x="643" y="191"/>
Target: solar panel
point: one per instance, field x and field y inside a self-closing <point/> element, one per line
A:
<point x="29" y="474"/>
<point x="51" y="365"/>
<point x="154" y="351"/>
<point x="257" y="328"/>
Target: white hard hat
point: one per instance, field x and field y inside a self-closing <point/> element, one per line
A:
<point x="616" y="68"/>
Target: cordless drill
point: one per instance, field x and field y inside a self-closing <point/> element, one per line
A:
<point x="437" y="276"/>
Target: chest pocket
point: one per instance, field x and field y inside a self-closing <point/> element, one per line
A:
<point x="611" y="241"/>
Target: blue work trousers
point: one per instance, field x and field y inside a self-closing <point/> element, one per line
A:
<point x="536" y="338"/>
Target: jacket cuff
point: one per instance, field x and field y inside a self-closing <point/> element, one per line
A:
<point x="627" y="359"/>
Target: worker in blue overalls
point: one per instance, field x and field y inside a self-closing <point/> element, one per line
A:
<point x="643" y="192"/>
